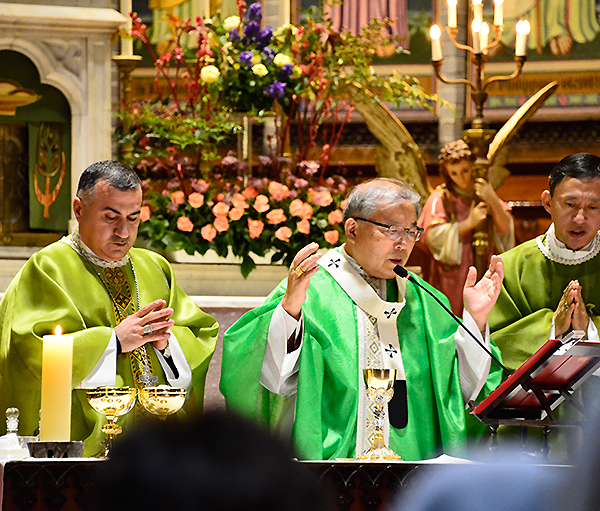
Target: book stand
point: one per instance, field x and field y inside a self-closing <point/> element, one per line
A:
<point x="530" y="394"/>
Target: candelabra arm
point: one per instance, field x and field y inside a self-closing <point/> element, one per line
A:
<point x="452" y="32"/>
<point x="437" y="67"/>
<point x="519" y="61"/>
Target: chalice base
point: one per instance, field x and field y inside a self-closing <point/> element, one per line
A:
<point x="378" y="451"/>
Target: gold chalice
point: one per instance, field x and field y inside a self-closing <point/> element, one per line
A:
<point x="162" y="400"/>
<point x="112" y="402"/>
<point x="380" y="389"/>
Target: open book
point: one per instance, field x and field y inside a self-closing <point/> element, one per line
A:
<point x="544" y="381"/>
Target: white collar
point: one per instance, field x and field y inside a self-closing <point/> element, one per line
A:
<point x="557" y="251"/>
<point x="75" y="241"/>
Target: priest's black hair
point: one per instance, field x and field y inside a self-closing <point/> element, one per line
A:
<point x="578" y="166"/>
<point x="119" y="176"/>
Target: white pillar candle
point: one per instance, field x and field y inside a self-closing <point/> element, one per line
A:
<point x="523" y="29"/>
<point x="57" y="368"/>
<point x="478" y="11"/>
<point x="476" y="28"/>
<point x="207" y="12"/>
<point x="498" y="12"/>
<point x="452" y="13"/>
<point x="436" y="45"/>
<point x="126" y="42"/>
<point x="483" y="37"/>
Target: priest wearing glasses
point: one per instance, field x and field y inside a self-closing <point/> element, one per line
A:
<point x="131" y="323"/>
<point x="297" y="361"/>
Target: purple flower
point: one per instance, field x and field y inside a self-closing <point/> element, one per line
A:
<point x="286" y="71"/>
<point x="269" y="55"/>
<point x="255" y="12"/>
<point x="264" y="38"/>
<point x="246" y="58"/>
<point x="234" y="35"/>
<point x="251" y="33"/>
<point x="276" y="90"/>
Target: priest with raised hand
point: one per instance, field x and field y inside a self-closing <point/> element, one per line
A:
<point x="131" y="323"/>
<point x="297" y="361"/>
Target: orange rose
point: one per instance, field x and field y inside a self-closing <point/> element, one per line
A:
<point x="221" y="223"/>
<point x="335" y="217"/>
<point x="144" y="213"/>
<point x="236" y="213"/>
<point x="185" y="224"/>
<point x="320" y="197"/>
<point x="283" y="233"/>
<point x="302" y="209"/>
<point x="239" y="201"/>
<point x="278" y="191"/>
<point x="220" y="209"/>
<point x="249" y="193"/>
<point x="261" y="204"/>
<point x="332" y="237"/>
<point x="276" y="216"/>
<point x="343" y="204"/>
<point x="196" y="199"/>
<point x="208" y="232"/>
<point x="178" y="197"/>
<point x="303" y="226"/>
<point x="255" y="227"/>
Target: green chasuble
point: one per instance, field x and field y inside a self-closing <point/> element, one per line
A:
<point x="520" y="321"/>
<point x="328" y="381"/>
<point x="58" y="287"/>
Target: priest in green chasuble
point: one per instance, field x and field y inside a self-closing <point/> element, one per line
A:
<point x="131" y="324"/>
<point x="297" y="361"/>
<point x="552" y="283"/>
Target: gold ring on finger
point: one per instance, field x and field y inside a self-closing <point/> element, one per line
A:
<point x="298" y="271"/>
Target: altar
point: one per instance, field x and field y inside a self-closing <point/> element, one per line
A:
<point x="68" y="484"/>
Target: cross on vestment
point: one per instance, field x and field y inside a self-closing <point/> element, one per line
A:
<point x="335" y="262"/>
<point x="391" y="350"/>
<point x="147" y="378"/>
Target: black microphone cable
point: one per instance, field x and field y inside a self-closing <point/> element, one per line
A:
<point x="402" y="272"/>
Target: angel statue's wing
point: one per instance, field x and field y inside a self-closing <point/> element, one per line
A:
<point x="520" y="117"/>
<point x="398" y="156"/>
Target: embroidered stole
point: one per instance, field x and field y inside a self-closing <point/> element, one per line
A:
<point x="378" y="344"/>
<point x="123" y="305"/>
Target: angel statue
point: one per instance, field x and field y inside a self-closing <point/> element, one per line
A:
<point x="464" y="216"/>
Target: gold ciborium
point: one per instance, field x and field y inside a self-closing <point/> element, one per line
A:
<point x="380" y="389"/>
<point x="112" y="402"/>
<point x="162" y="400"/>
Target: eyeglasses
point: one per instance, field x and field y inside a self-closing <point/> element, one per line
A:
<point x="395" y="232"/>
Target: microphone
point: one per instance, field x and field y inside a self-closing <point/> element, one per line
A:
<point x="402" y="272"/>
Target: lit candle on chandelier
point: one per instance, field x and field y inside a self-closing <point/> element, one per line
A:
<point x="476" y="28"/>
<point x="478" y="11"/>
<point x="483" y="37"/>
<point x="57" y="368"/>
<point x="436" y="46"/>
<point x="498" y="12"/>
<point x="452" y="13"/>
<point x="523" y="29"/>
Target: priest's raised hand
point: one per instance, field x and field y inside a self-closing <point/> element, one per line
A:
<point x="480" y="297"/>
<point x="303" y="267"/>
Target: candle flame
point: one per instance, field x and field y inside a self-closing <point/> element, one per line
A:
<point x="523" y="27"/>
<point x="58" y="330"/>
<point x="476" y="2"/>
<point x="435" y="32"/>
<point x="498" y="2"/>
<point x="452" y="3"/>
<point x="476" y="26"/>
<point x="485" y="29"/>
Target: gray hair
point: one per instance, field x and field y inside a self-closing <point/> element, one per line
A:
<point x="117" y="174"/>
<point x="367" y="198"/>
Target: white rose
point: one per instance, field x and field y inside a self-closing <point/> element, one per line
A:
<point x="260" y="70"/>
<point x="209" y="74"/>
<point x="231" y="23"/>
<point x="281" y="60"/>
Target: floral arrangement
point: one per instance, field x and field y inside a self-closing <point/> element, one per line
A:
<point x="196" y="198"/>
<point x="246" y="216"/>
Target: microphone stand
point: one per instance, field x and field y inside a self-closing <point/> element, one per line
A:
<point x="402" y="272"/>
